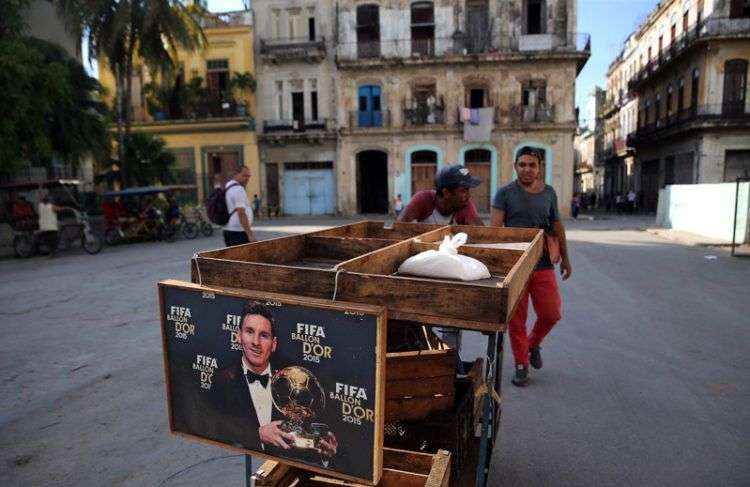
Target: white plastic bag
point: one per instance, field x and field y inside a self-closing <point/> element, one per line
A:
<point x="445" y="263"/>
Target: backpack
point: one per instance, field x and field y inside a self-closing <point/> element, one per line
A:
<point x="216" y="205"/>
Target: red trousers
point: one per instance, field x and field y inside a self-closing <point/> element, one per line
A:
<point x="545" y="294"/>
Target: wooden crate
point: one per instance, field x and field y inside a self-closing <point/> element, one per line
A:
<point x="401" y="468"/>
<point x="359" y="262"/>
<point x="451" y="429"/>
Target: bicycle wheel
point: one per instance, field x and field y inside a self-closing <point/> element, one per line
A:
<point x="112" y="237"/>
<point x="207" y="229"/>
<point x="190" y="230"/>
<point x="23" y="245"/>
<point x="92" y="245"/>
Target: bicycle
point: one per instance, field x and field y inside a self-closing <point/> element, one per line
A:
<point x="28" y="242"/>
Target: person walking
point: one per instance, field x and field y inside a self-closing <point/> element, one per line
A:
<point x="530" y="203"/>
<point x="238" y="229"/>
<point x="575" y="206"/>
<point x="48" y="226"/>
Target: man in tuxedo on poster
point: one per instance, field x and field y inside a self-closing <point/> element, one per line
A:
<point x="243" y="394"/>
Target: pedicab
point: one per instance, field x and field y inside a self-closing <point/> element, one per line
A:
<point x="132" y="215"/>
<point x="20" y="213"/>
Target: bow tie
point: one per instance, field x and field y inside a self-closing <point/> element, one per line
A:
<point x="252" y="377"/>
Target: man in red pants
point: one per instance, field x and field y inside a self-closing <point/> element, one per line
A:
<point x="529" y="203"/>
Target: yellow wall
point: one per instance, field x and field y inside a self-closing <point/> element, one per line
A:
<point x="217" y="141"/>
<point x="233" y="43"/>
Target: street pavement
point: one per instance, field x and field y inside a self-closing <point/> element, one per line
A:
<point x="646" y="380"/>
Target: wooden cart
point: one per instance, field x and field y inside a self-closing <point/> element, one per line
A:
<point x="358" y="263"/>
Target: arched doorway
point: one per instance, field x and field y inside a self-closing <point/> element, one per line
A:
<point x="423" y="166"/>
<point x="372" y="181"/>
<point x="479" y="162"/>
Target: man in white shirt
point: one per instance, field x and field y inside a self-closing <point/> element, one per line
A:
<point x="238" y="229"/>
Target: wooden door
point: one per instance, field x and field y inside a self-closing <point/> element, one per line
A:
<point x="422" y="177"/>
<point x="222" y="166"/>
<point x="481" y="194"/>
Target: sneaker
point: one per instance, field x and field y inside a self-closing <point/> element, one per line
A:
<point x="521" y="377"/>
<point x="535" y="357"/>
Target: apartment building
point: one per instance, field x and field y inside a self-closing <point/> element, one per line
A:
<point x="205" y="114"/>
<point x="686" y="71"/>
<point x="296" y="72"/>
<point x="422" y="84"/>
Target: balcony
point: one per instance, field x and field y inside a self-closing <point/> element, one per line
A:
<point x="372" y="120"/>
<point x="209" y="109"/>
<point x="710" y="28"/>
<point x="462" y="47"/>
<point x="424" y="115"/>
<point x="293" y="49"/>
<point x="532" y="114"/>
<point x="290" y="125"/>
<point x="723" y="115"/>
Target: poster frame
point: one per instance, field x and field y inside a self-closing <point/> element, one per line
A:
<point x="380" y="353"/>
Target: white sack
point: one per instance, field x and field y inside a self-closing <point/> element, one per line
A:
<point x="445" y="263"/>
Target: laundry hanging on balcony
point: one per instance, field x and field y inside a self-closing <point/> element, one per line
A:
<point x="478" y="127"/>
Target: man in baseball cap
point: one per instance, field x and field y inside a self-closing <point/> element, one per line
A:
<point x="450" y="201"/>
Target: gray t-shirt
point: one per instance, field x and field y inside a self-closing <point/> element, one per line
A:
<point x="528" y="210"/>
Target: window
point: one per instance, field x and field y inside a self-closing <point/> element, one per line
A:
<point x="217" y="74"/>
<point x="422" y="28"/>
<point x="535" y="13"/>
<point x="649" y="53"/>
<point x="657" y="109"/>
<point x="477" y="15"/>
<point x="311" y="28"/>
<point x="534" y="93"/>
<point x="680" y="95"/>
<point x="694" y="86"/>
<point x="292" y="25"/>
<point x="279" y="100"/>
<point x="673" y="33"/>
<point x="735" y="86"/>
<point x="685" y="21"/>
<point x="739" y="8"/>
<point x="647" y="112"/>
<point x="661" y="45"/>
<point x="736" y="164"/>
<point x="277" y="24"/>
<point x="669" y="101"/>
<point x="477" y="97"/>
<point x="368" y="31"/>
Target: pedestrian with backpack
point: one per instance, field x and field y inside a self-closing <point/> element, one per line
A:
<point x="230" y="207"/>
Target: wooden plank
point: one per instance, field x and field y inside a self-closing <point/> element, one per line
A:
<point x="299" y="281"/>
<point x="343" y="248"/>
<point x="400" y="478"/>
<point x="273" y="251"/>
<point x="440" y="472"/>
<point x="448" y="322"/>
<point x="419" y="387"/>
<point x="409" y="409"/>
<point x="358" y="229"/>
<point x="458" y="300"/>
<point x="383" y="261"/>
<point x="423" y="363"/>
<point x="519" y="275"/>
<point x="410" y="461"/>
<point x="490" y="234"/>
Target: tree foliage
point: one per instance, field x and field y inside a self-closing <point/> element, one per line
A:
<point x="149" y="161"/>
<point x="121" y="31"/>
<point x="48" y="101"/>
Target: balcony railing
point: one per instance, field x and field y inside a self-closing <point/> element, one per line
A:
<point x="293" y="48"/>
<point x="532" y="114"/>
<point x="710" y="27"/>
<point x="205" y="110"/>
<point x="461" y="46"/>
<point x="369" y="120"/>
<point x="729" y="113"/>
<point x="291" y="125"/>
<point x="425" y="115"/>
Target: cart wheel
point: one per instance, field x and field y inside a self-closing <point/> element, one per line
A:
<point x="190" y="230"/>
<point x="168" y="233"/>
<point x="112" y="237"/>
<point x="92" y="245"/>
<point x="207" y="229"/>
<point x="24" y="246"/>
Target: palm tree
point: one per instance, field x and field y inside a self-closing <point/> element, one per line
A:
<point x="121" y="31"/>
